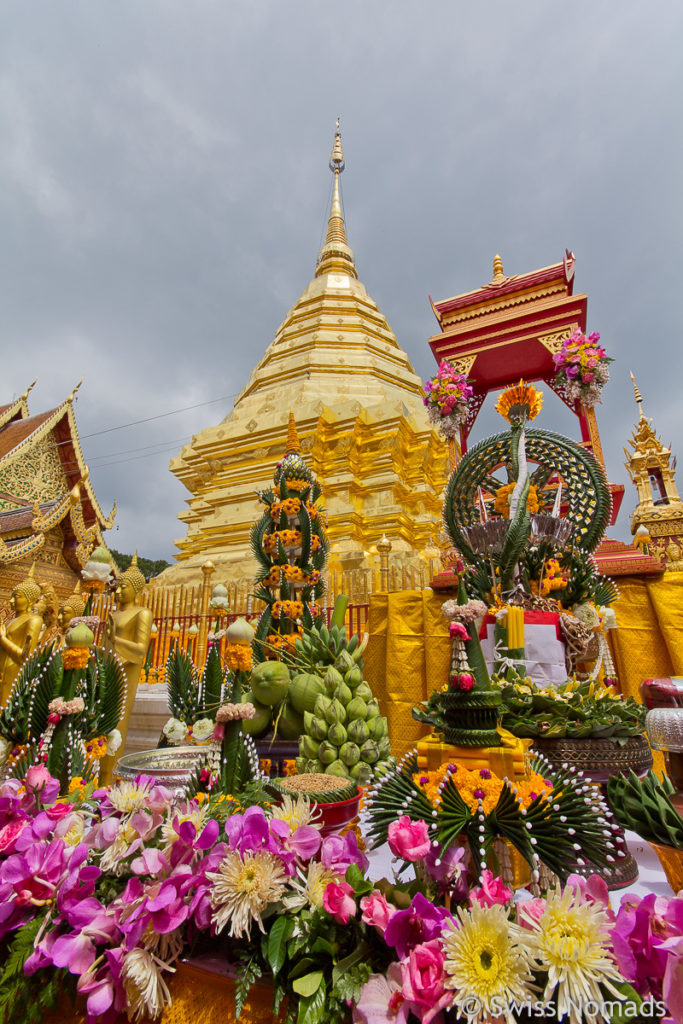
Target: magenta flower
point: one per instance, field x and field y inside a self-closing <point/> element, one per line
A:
<point x="408" y="839"/>
<point x="421" y="922"/>
<point x="104" y="990"/>
<point x="337" y="853"/>
<point x="449" y="869"/>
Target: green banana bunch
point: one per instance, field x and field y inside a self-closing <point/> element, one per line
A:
<point x="643" y="806"/>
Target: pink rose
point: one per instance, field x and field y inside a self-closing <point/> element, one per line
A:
<point x="530" y="912"/>
<point x="408" y="839"/>
<point x="491" y="891"/>
<point x="423" y="978"/>
<point x="376" y="911"/>
<point x="37" y="777"/>
<point x="9" y="834"/>
<point x="457" y="630"/>
<point x="338" y="901"/>
<point x="58" y="811"/>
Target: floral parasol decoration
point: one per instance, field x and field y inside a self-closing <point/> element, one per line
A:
<point x="582" y="367"/>
<point x="446" y="400"/>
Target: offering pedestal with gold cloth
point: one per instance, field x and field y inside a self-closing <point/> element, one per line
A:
<point x="408" y="655"/>
<point x="202" y="993"/>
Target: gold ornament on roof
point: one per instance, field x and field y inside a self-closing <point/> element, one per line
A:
<point x="498" y="274"/>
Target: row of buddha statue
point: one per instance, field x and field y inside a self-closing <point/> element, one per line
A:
<point x="38" y="618"/>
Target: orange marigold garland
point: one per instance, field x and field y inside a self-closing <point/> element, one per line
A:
<point x="75" y="657"/>
<point x="238" y="657"/>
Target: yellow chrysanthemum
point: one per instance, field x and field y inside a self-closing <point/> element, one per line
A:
<point x="297" y="811"/>
<point x="571" y="941"/>
<point x="522" y="400"/>
<point x="487" y="963"/>
<point x="244" y="888"/>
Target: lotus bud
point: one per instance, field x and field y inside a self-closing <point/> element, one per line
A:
<point x="301" y="763"/>
<point x="384" y="747"/>
<point x="337" y="768"/>
<point x="335" y="712"/>
<point x="100" y="554"/>
<point x="344" y="662"/>
<point x="309" y="718"/>
<point x="380" y="729"/>
<point x="321" y="705"/>
<point x="315" y="765"/>
<point x="332" y="679"/>
<point x="350" y="754"/>
<point x="80" y="636"/>
<point x="369" y="752"/>
<point x="240" y="632"/>
<point x="363" y="691"/>
<point x="361" y="772"/>
<point x="358" y="731"/>
<point x="327" y="753"/>
<point x="308" y="747"/>
<point x="319" y="728"/>
<point x="354" y="677"/>
<point x="357" y="708"/>
<point x="373" y="708"/>
<point x="343" y="694"/>
<point x="337" y="734"/>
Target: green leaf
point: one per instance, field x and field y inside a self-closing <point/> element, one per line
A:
<point x="302" y="967"/>
<point x="312" y="1008"/>
<point x="309" y="984"/>
<point x="356" y="879"/>
<point x="280" y="933"/>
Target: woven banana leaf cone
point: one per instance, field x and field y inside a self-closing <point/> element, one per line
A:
<point x="599" y="760"/>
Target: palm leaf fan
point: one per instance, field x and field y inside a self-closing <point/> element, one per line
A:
<point x="453" y="813"/>
<point x="211" y="683"/>
<point x="393" y="795"/>
<point x="258" y="532"/>
<point x="111" y="686"/>
<point x="262" y="630"/>
<point x="44" y="689"/>
<point x="181" y="681"/>
<point x="509" y="822"/>
<point x="14" y="718"/>
<point x="305" y="528"/>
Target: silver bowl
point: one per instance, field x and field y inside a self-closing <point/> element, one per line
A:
<point x="171" y="767"/>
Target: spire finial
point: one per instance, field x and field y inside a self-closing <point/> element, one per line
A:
<point x="336" y="255"/>
<point x="497" y="268"/>
<point x="293" y="446"/>
<point x="639" y="397"/>
<point x="29" y="389"/>
<point x="337" y="164"/>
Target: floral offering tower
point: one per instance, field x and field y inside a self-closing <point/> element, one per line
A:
<point x="290" y="544"/>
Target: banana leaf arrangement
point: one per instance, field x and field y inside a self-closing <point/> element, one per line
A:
<point x="644" y="807"/>
<point x="554" y="818"/>
<point x="574" y="710"/>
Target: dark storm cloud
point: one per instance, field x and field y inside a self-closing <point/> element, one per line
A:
<point x="163" y="189"/>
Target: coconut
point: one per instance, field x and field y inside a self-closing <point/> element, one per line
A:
<point x="303" y="691"/>
<point x="270" y="682"/>
<point x="290" y="724"/>
<point x="260" y="723"/>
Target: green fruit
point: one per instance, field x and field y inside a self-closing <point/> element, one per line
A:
<point x="270" y="682"/>
<point x="357" y="708"/>
<point x="335" y="713"/>
<point x="327" y="753"/>
<point x="364" y="691"/>
<point x="332" y="679"/>
<point x="361" y="772"/>
<point x="260" y="723"/>
<point x="290" y="724"/>
<point x="343" y="694"/>
<point x="354" y="677"/>
<point x="337" y="768"/>
<point x="350" y="754"/>
<point x="373" y="708"/>
<point x="322" y="703"/>
<point x="358" y="731"/>
<point x="337" y="734"/>
<point x="369" y="752"/>
<point x="308" y="747"/>
<point x="303" y="691"/>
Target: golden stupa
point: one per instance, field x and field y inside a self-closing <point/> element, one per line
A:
<point x="359" y="412"/>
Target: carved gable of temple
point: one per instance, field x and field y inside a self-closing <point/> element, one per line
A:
<point x="48" y="510"/>
<point x="360" y="416"/>
<point x="657" y="519"/>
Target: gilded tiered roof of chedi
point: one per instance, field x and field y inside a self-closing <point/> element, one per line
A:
<point x="48" y="510"/>
<point x="364" y="431"/>
<point x="658" y="515"/>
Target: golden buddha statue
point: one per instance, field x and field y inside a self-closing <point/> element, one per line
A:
<point x="48" y="609"/>
<point x="71" y="607"/>
<point x="127" y="632"/>
<point x="19" y="635"/>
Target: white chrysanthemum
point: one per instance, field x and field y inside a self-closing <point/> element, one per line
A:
<point x="308" y="886"/>
<point x="146" y="991"/>
<point x="297" y="811"/>
<point x="244" y="888"/>
<point x="111" y="860"/>
<point x="202" y="729"/>
<point x="487" y="963"/>
<point x="571" y="941"/>
<point x="197" y="814"/>
<point x="175" y="731"/>
<point x="128" y="796"/>
<point x="76" y="830"/>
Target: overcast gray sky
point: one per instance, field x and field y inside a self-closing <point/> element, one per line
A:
<point x="164" y="190"/>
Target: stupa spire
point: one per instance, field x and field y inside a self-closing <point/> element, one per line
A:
<point x="336" y="255"/>
<point x="638" y="396"/>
